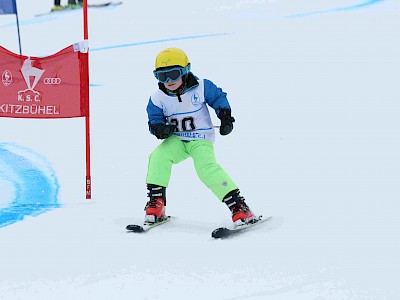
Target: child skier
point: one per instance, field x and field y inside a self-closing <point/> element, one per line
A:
<point x="178" y="115"/>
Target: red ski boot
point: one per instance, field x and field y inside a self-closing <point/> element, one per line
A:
<point x="155" y="207"/>
<point x="241" y="213"/>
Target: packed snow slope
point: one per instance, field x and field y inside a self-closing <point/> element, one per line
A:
<point x="314" y="87"/>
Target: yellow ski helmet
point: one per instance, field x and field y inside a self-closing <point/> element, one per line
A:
<point x="171" y="57"/>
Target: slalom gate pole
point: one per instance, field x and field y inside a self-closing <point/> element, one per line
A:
<point x="87" y="117"/>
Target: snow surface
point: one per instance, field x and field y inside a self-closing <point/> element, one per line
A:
<point x="314" y="87"/>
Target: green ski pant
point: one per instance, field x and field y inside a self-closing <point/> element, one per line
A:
<point x="172" y="151"/>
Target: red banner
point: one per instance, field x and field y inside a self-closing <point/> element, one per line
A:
<point x="55" y="86"/>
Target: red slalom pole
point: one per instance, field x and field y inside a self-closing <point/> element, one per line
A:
<point x="87" y="117"/>
<point x="85" y="20"/>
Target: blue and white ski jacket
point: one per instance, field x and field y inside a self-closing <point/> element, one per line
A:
<point x="188" y="110"/>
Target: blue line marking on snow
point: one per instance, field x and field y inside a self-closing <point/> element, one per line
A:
<point x="159" y="41"/>
<point x="155" y="42"/>
<point x="32" y="184"/>
<point x="345" y="8"/>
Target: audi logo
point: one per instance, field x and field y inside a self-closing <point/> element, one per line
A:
<point x="52" y="80"/>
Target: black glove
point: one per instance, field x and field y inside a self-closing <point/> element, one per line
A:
<point x="226" y="121"/>
<point x="162" y="131"/>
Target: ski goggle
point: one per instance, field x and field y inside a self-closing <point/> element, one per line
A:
<point x="173" y="74"/>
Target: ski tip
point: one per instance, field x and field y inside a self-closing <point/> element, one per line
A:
<point x="225" y="232"/>
<point x="135" y="228"/>
<point x="220" y="233"/>
<point x="147" y="226"/>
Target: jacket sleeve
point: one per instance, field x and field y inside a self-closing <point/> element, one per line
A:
<point x="215" y="97"/>
<point x="155" y="115"/>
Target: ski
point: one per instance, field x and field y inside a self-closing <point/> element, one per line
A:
<point x="147" y="226"/>
<point x="225" y="232"/>
<point x="105" y="4"/>
<point x="69" y="9"/>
